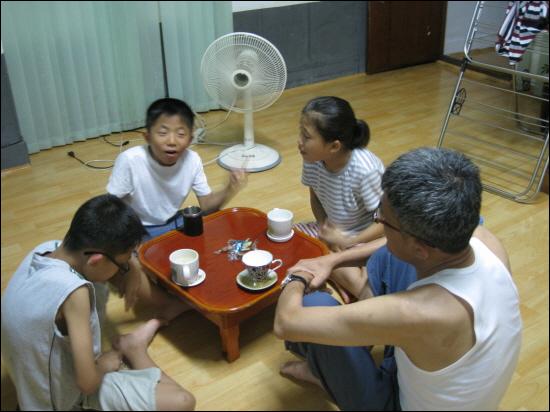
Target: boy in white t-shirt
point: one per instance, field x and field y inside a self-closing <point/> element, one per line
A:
<point x="155" y="179"/>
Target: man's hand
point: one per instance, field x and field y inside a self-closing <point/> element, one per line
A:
<point x="319" y="269"/>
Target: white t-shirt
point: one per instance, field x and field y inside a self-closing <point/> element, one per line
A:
<point x="154" y="191"/>
<point x="351" y="195"/>
<point x="479" y="379"/>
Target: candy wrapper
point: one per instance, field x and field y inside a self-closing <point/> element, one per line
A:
<point x="237" y="248"/>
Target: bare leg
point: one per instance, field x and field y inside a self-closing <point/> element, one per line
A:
<point x="351" y="279"/>
<point x="167" y="306"/>
<point x="299" y="370"/>
<point x="133" y="346"/>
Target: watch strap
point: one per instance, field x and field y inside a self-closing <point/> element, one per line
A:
<point x="292" y="277"/>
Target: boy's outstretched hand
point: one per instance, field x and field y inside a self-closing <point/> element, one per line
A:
<point x="238" y="178"/>
<point x="216" y="200"/>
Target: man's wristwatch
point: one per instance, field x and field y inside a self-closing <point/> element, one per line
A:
<point x="291" y="278"/>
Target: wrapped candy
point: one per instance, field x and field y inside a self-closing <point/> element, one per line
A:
<point x="237" y="248"/>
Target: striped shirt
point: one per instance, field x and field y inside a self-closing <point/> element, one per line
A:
<point x="524" y="19"/>
<point x="351" y="195"/>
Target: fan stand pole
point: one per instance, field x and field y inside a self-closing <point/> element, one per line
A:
<point x="248" y="119"/>
<point x="249" y="156"/>
<point x="248" y="130"/>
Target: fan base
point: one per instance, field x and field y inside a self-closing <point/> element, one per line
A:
<point x="255" y="158"/>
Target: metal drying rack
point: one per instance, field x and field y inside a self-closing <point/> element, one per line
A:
<point x="499" y="117"/>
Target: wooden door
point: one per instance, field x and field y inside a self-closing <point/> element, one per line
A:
<point x="404" y="33"/>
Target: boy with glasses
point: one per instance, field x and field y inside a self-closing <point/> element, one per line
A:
<point x="51" y="310"/>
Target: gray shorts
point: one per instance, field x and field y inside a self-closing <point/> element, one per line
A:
<point x="125" y="390"/>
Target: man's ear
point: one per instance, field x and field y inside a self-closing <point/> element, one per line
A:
<point x="421" y="250"/>
<point x="94" y="259"/>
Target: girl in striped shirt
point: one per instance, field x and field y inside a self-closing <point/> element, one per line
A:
<point x="343" y="176"/>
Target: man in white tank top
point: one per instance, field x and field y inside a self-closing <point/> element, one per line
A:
<point x="439" y="295"/>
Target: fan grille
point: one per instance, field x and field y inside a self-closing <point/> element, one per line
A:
<point x="243" y="72"/>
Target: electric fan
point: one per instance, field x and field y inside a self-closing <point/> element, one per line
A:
<point x="245" y="73"/>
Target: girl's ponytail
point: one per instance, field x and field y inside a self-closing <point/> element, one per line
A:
<point x="361" y="135"/>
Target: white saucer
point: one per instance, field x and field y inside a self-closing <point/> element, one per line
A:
<point x="200" y="279"/>
<point x="280" y="238"/>
<point x="244" y="280"/>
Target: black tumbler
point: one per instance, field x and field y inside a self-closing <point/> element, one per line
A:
<point x="192" y="221"/>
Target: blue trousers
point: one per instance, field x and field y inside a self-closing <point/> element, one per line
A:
<point x="174" y="222"/>
<point x="349" y="373"/>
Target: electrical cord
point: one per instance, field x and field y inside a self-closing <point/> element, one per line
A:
<point x="126" y="142"/>
<point x="205" y="128"/>
<point x="225" y="154"/>
<point x="119" y="144"/>
<point x="217" y="124"/>
<point x="88" y="163"/>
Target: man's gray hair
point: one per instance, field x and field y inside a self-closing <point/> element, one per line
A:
<point x="435" y="195"/>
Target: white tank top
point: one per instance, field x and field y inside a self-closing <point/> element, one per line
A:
<point x="37" y="355"/>
<point x="479" y="379"/>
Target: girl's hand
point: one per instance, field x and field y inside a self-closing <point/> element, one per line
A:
<point x="334" y="237"/>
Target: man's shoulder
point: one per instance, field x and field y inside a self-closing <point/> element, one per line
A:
<point x="492" y="243"/>
<point x="430" y="305"/>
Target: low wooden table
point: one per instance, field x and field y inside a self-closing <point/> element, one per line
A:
<point x="219" y="298"/>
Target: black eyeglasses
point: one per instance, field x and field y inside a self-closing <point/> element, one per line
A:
<point x="377" y="219"/>
<point x="122" y="269"/>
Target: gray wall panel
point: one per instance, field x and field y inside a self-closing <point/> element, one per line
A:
<point x="285" y="28"/>
<point x="319" y="41"/>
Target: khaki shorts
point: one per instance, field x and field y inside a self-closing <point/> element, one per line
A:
<point x="125" y="390"/>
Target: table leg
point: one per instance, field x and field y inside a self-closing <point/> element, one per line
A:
<point x="230" y="341"/>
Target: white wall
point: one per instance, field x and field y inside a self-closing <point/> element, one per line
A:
<point x="254" y="5"/>
<point x="459" y="16"/>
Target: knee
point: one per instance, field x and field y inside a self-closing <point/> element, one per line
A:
<point x="185" y="401"/>
<point x="177" y="400"/>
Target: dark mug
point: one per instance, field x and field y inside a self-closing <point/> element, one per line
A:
<point x="192" y="221"/>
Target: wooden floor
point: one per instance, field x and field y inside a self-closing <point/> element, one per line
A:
<point x="405" y="109"/>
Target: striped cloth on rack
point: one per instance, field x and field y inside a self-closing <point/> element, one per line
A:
<point x="524" y="19"/>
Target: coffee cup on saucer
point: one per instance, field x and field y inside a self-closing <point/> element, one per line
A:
<point x="184" y="264"/>
<point x="258" y="264"/>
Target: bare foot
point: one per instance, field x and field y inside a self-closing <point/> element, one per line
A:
<point x="300" y="371"/>
<point x="171" y="311"/>
<point x="139" y="339"/>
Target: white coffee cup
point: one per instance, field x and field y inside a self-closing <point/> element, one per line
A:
<point x="279" y="222"/>
<point x="258" y="263"/>
<point x="185" y="266"/>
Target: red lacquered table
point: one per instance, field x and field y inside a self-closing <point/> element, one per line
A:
<point x="219" y="298"/>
